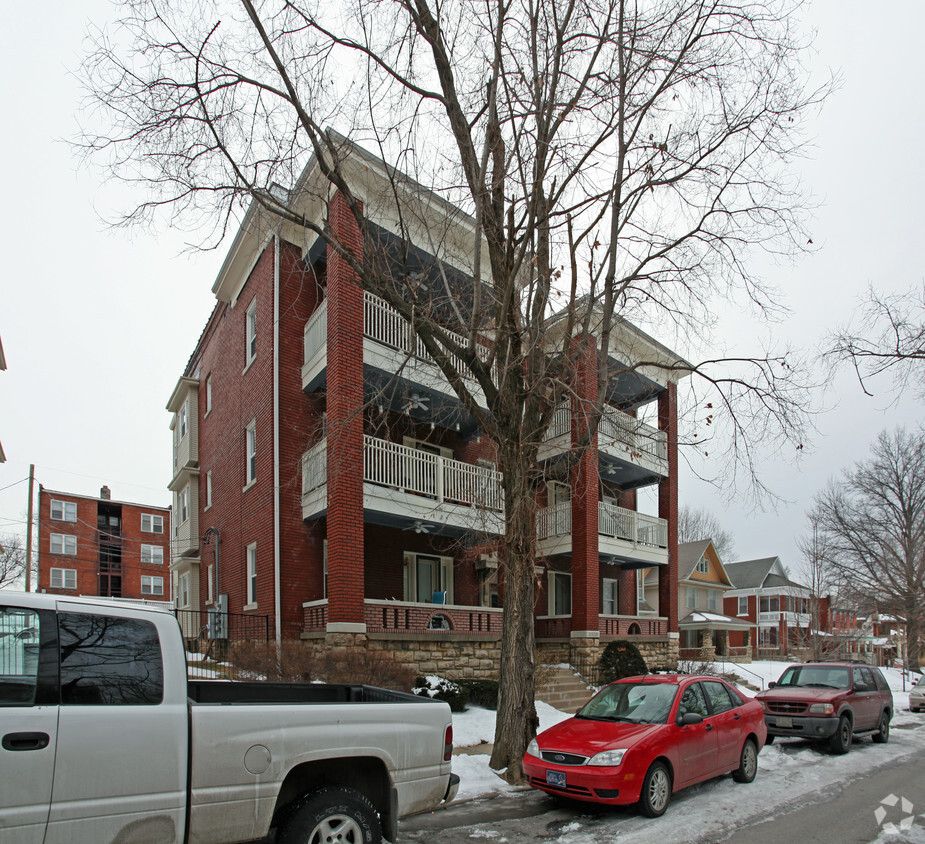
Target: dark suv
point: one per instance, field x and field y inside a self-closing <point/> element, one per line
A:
<point x="830" y="701"/>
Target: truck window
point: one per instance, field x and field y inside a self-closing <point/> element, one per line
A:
<point x="109" y="661"/>
<point x="19" y="656"/>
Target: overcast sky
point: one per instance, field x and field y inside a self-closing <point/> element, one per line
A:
<point x="97" y="327"/>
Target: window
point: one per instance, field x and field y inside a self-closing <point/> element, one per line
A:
<point x="250" y="332"/>
<point x="252" y="574"/>
<point x="183" y="419"/>
<point x="208" y="394"/>
<point x="691" y="597"/>
<point x="107" y="661"/>
<point x="743" y="605"/>
<point x="19" y="656"/>
<point x="64" y="511"/>
<point x="718" y="697"/>
<point x="610" y="593"/>
<point x="692" y="700"/>
<point x="152" y="554"/>
<point x="183" y="590"/>
<point x="208" y="489"/>
<point x="711" y="600"/>
<point x="183" y="505"/>
<point x="63" y="579"/>
<point x="770" y="604"/>
<point x="768" y="637"/>
<point x="251" y="442"/>
<point x="152" y="585"/>
<point x="703" y="566"/>
<point x="152" y="523"/>
<point x="425" y="574"/>
<point x="63" y="543"/>
<point x="560" y="593"/>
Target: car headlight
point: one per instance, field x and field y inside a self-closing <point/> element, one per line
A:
<point x="608" y="757"/>
<point x="821" y="709"/>
<point x="533" y="749"/>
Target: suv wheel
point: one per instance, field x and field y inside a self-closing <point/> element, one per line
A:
<point x="841" y="741"/>
<point x="882" y="736"/>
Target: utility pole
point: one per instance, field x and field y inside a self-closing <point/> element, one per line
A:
<point x="29" y="530"/>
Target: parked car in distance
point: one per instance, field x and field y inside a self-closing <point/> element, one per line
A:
<point x="917" y="695"/>
<point x="830" y="702"/>
<point x="641" y="739"/>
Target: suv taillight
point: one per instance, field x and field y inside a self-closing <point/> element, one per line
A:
<point x="448" y="744"/>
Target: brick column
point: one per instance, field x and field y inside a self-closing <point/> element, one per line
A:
<point x="585" y="496"/>
<point x="345" y="429"/>
<point x="668" y="507"/>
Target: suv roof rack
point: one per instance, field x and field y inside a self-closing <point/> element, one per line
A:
<point x="845" y="661"/>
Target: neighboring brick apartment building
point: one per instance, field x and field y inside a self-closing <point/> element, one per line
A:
<point x="97" y="546"/>
<point x="326" y="475"/>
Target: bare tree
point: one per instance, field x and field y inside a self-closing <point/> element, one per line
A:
<point x="872" y="527"/>
<point x="614" y="160"/>
<point x="889" y="337"/>
<point x="12" y="560"/>
<point x="696" y="523"/>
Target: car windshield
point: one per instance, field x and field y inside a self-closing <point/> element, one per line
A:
<point x="921" y="681"/>
<point x="632" y="703"/>
<point x="817" y="676"/>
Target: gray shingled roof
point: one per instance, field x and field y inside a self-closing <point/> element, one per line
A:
<point x="689" y="553"/>
<point x="749" y="574"/>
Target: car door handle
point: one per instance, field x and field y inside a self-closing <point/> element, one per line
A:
<point x="736" y="716"/>
<point x="25" y="741"/>
<point x="708" y="727"/>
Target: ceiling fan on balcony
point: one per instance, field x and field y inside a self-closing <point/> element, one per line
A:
<point x="419" y="527"/>
<point x="419" y="401"/>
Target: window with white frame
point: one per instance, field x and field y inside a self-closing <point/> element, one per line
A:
<point x="63" y="579"/>
<point x="743" y="605"/>
<point x="703" y="566"/>
<point x="560" y="593"/>
<point x="183" y="598"/>
<point x="426" y="574"/>
<point x="208" y="394"/>
<point x="711" y="600"/>
<point x="250" y="438"/>
<point x="152" y="585"/>
<point x="183" y="420"/>
<point x="64" y="511"/>
<point x="250" y="332"/>
<point x="640" y="590"/>
<point x="183" y="505"/>
<point x="690" y="596"/>
<point x="63" y="543"/>
<point x="208" y="489"/>
<point x="152" y="554"/>
<point x="152" y="523"/>
<point x="609" y="595"/>
<point x="252" y="574"/>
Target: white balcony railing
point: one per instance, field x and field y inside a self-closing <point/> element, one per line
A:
<point x="315" y="337"/>
<point x="616" y="522"/>
<point x="410" y="470"/>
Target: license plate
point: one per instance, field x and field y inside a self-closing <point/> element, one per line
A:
<point x="786" y="723"/>
<point x="556" y="778"/>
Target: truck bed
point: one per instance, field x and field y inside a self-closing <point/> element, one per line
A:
<point x="224" y="692"/>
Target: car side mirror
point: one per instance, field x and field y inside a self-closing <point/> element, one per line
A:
<point x="772" y="684"/>
<point x="690" y="718"/>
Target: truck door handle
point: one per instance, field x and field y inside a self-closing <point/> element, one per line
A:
<point x="25" y="741"/>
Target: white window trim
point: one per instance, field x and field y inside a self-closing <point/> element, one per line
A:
<point x="703" y="565"/>
<point x="63" y="537"/>
<point x="208" y="395"/>
<point x="605" y="582"/>
<point x="410" y="575"/>
<point x="551" y="593"/>
<point x="183" y="591"/>
<point x="183" y="504"/>
<point x="152" y="551"/>
<point x="62" y="575"/>
<point x="63" y="506"/>
<point x="742" y="599"/>
<point x="250" y="576"/>
<point x="250" y="436"/>
<point x="712" y="600"/>
<point x="250" y="334"/>
<point x="152" y="581"/>
<point x="153" y="517"/>
<point x="183" y="420"/>
<point x="690" y="598"/>
<point x="208" y="491"/>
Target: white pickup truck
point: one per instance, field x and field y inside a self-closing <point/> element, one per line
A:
<point x="104" y="740"/>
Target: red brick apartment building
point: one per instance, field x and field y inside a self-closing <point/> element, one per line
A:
<point x="326" y="475"/>
<point x="97" y="546"/>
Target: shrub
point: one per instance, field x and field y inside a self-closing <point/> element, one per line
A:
<point x="621" y="659"/>
<point x="372" y="668"/>
<point x="482" y="693"/>
<point x="439" y="688"/>
<point x="292" y="663"/>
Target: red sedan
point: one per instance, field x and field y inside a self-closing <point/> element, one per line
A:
<point x="641" y="739"/>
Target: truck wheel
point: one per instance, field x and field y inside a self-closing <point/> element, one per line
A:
<point x="841" y="741"/>
<point x="748" y="763"/>
<point x="656" y="791"/>
<point x="882" y="736"/>
<point x="333" y="814"/>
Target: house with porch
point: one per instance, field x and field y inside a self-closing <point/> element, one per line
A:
<point x="327" y="477"/>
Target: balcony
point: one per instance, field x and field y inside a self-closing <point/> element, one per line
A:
<point x="623" y="534"/>
<point x="630" y="450"/>
<point x="389" y="345"/>
<point x="411" y="489"/>
<point x="403" y="617"/>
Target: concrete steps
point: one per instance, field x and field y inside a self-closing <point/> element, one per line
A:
<point x="563" y="689"/>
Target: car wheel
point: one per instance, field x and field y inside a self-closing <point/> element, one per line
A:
<point x="769" y="740"/>
<point x="656" y="791"/>
<point x="333" y="814"/>
<point x="748" y="763"/>
<point x="882" y="736"/>
<point x="841" y="741"/>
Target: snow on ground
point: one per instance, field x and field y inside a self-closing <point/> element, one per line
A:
<point x="795" y="772"/>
